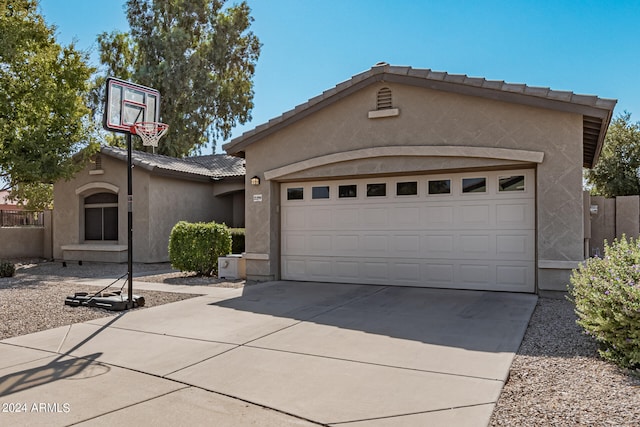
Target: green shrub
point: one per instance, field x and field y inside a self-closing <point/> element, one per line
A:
<point x="197" y="246"/>
<point x="237" y="244"/>
<point x="7" y="268"/>
<point x="606" y="293"/>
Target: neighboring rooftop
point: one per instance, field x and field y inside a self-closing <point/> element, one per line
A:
<point x="216" y="166"/>
<point x="596" y="112"/>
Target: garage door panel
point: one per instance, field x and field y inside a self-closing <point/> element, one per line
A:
<point x="345" y="218"/>
<point x="473" y="216"/>
<point x="410" y="244"/>
<point x="436" y="217"/>
<point x="376" y="270"/>
<point x="293" y="243"/>
<point x="347" y="244"/>
<point x="470" y="241"/>
<point x="515" y="215"/>
<point x="320" y="243"/>
<point x="516" y="246"/>
<point x="438" y="245"/>
<point x="375" y="244"/>
<point x="320" y="219"/>
<point x="375" y="217"/>
<point x="406" y="217"/>
<point x="408" y="272"/>
<point x="440" y="274"/>
<point x="294" y="218"/>
<point x="478" y="274"/>
<point x="513" y="275"/>
<point x="475" y="246"/>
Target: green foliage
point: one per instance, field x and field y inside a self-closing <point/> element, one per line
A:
<point x="237" y="244"/>
<point x="34" y="196"/>
<point x="43" y="116"/>
<point x="199" y="54"/>
<point x="617" y="172"/>
<point x="197" y="246"/>
<point x="606" y="292"/>
<point x="7" y="268"/>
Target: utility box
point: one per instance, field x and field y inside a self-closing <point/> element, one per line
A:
<point x="232" y="267"/>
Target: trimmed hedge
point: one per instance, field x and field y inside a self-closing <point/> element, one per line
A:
<point x="7" y="268"/>
<point x="606" y="293"/>
<point x="197" y="246"/>
<point x="237" y="244"/>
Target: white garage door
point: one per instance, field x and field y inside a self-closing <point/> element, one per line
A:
<point x="464" y="231"/>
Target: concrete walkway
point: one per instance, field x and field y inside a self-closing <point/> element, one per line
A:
<point x="274" y="354"/>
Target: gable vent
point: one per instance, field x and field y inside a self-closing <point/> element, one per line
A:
<point x="98" y="162"/>
<point x="384" y="101"/>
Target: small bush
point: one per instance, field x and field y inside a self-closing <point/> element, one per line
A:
<point x="197" y="246"/>
<point x="7" y="268"/>
<point x="237" y="243"/>
<point x="606" y="293"/>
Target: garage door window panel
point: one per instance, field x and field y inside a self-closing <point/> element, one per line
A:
<point x="511" y="183"/>
<point x="439" y="186"/>
<point x="321" y="192"/>
<point x="376" y="190"/>
<point x="295" y="193"/>
<point x="474" y="185"/>
<point x="409" y="188"/>
<point x="347" y="191"/>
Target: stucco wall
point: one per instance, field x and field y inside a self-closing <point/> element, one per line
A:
<point x="193" y="203"/>
<point x="433" y="118"/>
<point x="17" y="242"/>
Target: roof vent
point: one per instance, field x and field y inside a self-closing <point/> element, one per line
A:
<point x="381" y="64"/>
<point x="384" y="101"/>
<point x="384" y="105"/>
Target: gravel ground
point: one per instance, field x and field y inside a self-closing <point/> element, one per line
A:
<point x="33" y="300"/>
<point x="557" y="378"/>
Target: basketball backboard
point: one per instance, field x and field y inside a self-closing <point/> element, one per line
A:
<point x="128" y="103"/>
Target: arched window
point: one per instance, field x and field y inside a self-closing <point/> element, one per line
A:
<point x="384" y="101"/>
<point x="101" y="217"/>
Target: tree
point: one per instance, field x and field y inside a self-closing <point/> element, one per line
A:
<point x="617" y="172"/>
<point x="199" y="54"/>
<point x="43" y="116"/>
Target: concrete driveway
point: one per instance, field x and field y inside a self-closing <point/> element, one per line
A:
<point x="274" y="354"/>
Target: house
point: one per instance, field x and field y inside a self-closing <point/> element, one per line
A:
<point x="6" y="203"/>
<point x="403" y="176"/>
<point x="90" y="215"/>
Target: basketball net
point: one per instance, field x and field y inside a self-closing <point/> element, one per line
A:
<point x="149" y="132"/>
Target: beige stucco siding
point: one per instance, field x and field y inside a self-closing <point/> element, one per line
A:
<point x="432" y="118"/>
<point x="192" y="203"/>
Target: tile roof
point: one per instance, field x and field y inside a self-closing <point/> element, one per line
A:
<point x="214" y="166"/>
<point x="596" y="111"/>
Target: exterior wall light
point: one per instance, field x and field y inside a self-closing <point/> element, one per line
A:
<point x="255" y="181"/>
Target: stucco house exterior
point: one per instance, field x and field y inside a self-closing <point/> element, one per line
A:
<point x="90" y="215"/>
<point x="403" y="176"/>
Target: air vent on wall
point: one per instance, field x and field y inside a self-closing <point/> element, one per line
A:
<point x="384" y="105"/>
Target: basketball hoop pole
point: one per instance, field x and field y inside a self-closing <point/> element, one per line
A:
<point x="129" y="222"/>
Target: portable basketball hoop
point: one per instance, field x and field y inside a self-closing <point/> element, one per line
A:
<point x="149" y="132"/>
<point x="131" y="109"/>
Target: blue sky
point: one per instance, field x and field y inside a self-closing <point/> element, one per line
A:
<point x="588" y="47"/>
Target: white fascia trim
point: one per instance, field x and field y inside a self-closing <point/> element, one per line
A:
<point x="409" y="151"/>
